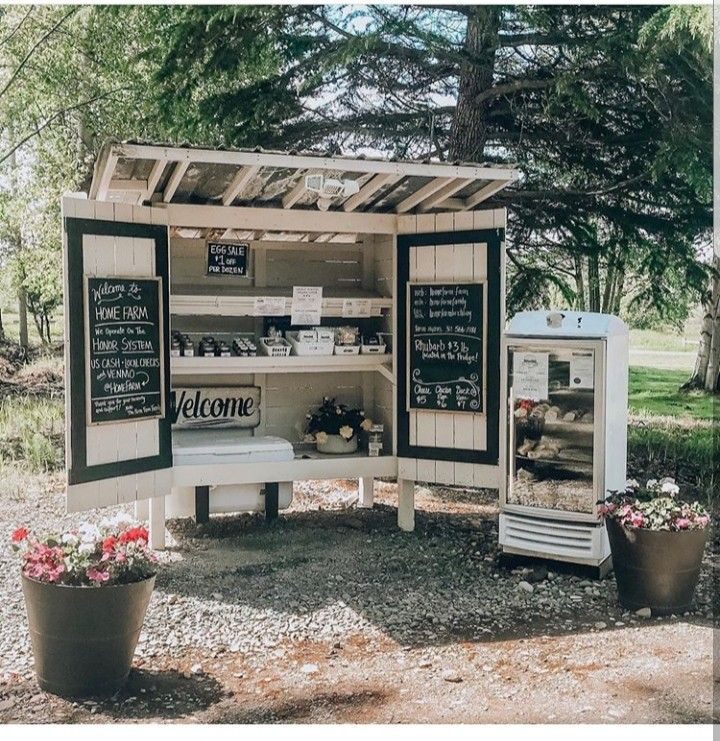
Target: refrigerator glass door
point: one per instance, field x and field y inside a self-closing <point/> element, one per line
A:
<point x="551" y="428"/>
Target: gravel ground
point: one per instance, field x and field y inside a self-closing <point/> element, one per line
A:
<point x="331" y="614"/>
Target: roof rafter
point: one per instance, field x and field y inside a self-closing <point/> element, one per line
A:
<point x="439" y="197"/>
<point x="243" y="176"/>
<point x="369" y="189"/>
<point x="177" y="175"/>
<point x="420" y="195"/>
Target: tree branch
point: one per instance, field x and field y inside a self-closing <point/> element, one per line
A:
<point x="34" y="48"/>
<point x="41" y="127"/>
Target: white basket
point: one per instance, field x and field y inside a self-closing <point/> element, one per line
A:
<point x="347" y="349"/>
<point x="310" y="348"/>
<point x="372" y="349"/>
<point x="279" y="349"/>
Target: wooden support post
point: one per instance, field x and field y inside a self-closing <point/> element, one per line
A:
<point x="406" y="505"/>
<point x="157" y="523"/>
<point x="142" y="510"/>
<point x="272" y="491"/>
<point x="202" y="504"/>
<point x="366" y="492"/>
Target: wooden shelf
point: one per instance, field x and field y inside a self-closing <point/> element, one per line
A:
<point x="291" y="364"/>
<point x="206" y="301"/>
<point x="300" y="469"/>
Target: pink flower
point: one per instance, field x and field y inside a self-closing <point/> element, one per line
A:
<point x="682" y="523"/>
<point x="96" y="575"/>
<point x="44" y="563"/>
<point x="19" y="535"/>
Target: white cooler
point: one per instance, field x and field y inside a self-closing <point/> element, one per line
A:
<point x="211" y="448"/>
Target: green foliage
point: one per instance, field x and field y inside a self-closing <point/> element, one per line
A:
<point x="606" y="111"/>
<point x="31" y="431"/>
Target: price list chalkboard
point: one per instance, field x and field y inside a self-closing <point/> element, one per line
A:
<point x="124" y="349"/>
<point x="226" y="258"/>
<point x="446" y="347"/>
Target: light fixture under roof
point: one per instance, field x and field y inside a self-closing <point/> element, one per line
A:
<point x="329" y="189"/>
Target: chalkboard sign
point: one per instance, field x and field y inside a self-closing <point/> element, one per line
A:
<point x="124" y="349"/>
<point x="227" y="258"/>
<point x="446" y="347"/>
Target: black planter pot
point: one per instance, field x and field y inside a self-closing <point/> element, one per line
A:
<point x="84" y="638"/>
<point x="656" y="569"/>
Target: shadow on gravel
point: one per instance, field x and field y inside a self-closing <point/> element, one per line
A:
<point x="323" y="707"/>
<point x="158" y="694"/>
<point x="441" y="584"/>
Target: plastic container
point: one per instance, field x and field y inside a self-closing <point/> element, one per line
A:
<point x="275" y="347"/>
<point x="315" y="347"/>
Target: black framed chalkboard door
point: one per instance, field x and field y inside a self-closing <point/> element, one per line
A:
<point x="450" y="308"/>
<point x="118" y="438"/>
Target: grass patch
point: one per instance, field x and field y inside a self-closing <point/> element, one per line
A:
<point x="685" y="453"/>
<point x="655" y="391"/>
<point x="31" y="431"/>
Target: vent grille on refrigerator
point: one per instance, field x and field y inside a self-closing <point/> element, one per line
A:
<point x="550" y="537"/>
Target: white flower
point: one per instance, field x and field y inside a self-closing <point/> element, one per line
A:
<point x="86" y="548"/>
<point x="88" y="533"/>
<point x="670" y="488"/>
<point x="347" y="432"/>
<point x="321" y="437"/>
<point x="651" y="484"/>
<point x="366" y="424"/>
<point x="632" y="484"/>
<point x="70" y="539"/>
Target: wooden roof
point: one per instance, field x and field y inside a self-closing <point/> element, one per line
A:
<point x="140" y="173"/>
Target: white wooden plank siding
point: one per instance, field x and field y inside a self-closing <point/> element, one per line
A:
<point x="464" y="262"/>
<point x="110" y="443"/>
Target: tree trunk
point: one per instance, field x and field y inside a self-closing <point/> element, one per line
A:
<point x="469" y="129"/>
<point x="22" y="310"/>
<point x="579" y="283"/>
<point x="707" y="363"/>
<point x="619" y="286"/>
<point x="593" y="283"/>
<point x="609" y="287"/>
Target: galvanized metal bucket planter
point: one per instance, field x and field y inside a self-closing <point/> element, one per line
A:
<point x="656" y="569"/>
<point x="84" y="638"/>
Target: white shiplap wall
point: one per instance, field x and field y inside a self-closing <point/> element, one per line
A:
<point x="464" y="262"/>
<point x="110" y="443"/>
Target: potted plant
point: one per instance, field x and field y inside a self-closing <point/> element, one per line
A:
<point x="86" y="593"/>
<point x="657" y="542"/>
<point x="334" y="428"/>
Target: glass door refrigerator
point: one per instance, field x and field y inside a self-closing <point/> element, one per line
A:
<point x="564" y="433"/>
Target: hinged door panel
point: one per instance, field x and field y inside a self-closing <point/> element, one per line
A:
<point x="118" y="444"/>
<point x="450" y="315"/>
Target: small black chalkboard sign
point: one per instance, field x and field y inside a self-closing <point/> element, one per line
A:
<point x="446" y="347"/>
<point x="124" y="349"/>
<point x="227" y="258"/>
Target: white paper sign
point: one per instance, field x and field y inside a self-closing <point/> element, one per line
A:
<point x="306" y="305"/>
<point x="582" y="370"/>
<point x="269" y="306"/>
<point x="356" y="307"/>
<point x="530" y="375"/>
